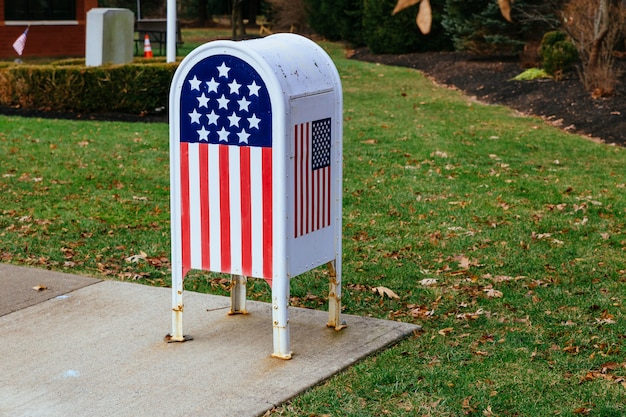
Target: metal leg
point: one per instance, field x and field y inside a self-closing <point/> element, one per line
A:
<point x="238" y="294"/>
<point x="334" y="297"/>
<point x="177" y="309"/>
<point x="280" y="318"/>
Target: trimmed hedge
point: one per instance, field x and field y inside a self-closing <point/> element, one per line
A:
<point x="69" y="85"/>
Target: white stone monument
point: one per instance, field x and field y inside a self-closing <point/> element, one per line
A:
<point x="110" y="37"/>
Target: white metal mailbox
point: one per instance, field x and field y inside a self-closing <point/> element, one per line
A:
<point x="255" y="166"/>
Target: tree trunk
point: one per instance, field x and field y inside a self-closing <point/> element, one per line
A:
<point x="202" y="9"/>
<point x="253" y="8"/>
<point x="601" y="30"/>
<point x="237" y="19"/>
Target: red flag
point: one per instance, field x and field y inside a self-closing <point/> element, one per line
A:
<point x="20" y="43"/>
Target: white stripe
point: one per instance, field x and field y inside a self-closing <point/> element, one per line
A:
<point x="235" y="208"/>
<point x="297" y="176"/>
<point x="309" y="188"/>
<point x="322" y="206"/>
<point x="214" y="208"/>
<point x="256" y="192"/>
<point x="195" y="235"/>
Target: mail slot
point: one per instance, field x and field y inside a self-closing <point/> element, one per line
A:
<point x="256" y="170"/>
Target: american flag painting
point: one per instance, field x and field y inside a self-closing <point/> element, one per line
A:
<point x="312" y="191"/>
<point x="226" y="169"/>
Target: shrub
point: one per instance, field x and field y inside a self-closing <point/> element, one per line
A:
<point x="595" y="28"/>
<point x="337" y="20"/>
<point x="65" y="86"/>
<point x="558" y="54"/>
<point x="532" y="74"/>
<point x="384" y="33"/>
<point x="478" y="26"/>
<point x="289" y="14"/>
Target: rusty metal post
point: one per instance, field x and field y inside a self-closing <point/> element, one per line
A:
<point x="238" y="294"/>
<point x="280" y="319"/>
<point x="177" y="307"/>
<point x="334" y="297"/>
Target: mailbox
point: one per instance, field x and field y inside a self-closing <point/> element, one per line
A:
<point x="256" y="170"/>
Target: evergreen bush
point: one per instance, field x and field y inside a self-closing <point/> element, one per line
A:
<point x="66" y="86"/>
<point x="337" y="20"/>
<point x="384" y="33"/>
<point x="478" y="26"/>
<point x="558" y="54"/>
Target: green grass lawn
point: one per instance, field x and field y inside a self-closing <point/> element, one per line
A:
<point x="502" y="236"/>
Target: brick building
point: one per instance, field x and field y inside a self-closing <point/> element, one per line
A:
<point x="57" y="28"/>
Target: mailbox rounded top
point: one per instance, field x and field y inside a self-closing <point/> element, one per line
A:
<point x="300" y="67"/>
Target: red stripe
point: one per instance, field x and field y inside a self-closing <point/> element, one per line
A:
<point x="246" y="211"/>
<point x="203" y="151"/>
<point x="307" y="172"/>
<point x="224" y="208"/>
<point x="318" y="197"/>
<point x="321" y="206"/>
<point x="184" y="207"/>
<point x="301" y="187"/>
<point x="267" y="214"/>
<point x="295" y="181"/>
<point x="324" y="199"/>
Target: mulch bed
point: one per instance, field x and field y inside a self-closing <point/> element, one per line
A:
<point x="563" y="103"/>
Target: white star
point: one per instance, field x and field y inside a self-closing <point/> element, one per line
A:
<point x="203" y="100"/>
<point x="243" y="104"/>
<point x="195" y="83"/>
<point x="203" y="134"/>
<point x="223" y="102"/>
<point x="254" y="121"/>
<point x="234" y="120"/>
<point x="212" y="85"/>
<point x="212" y="118"/>
<point x="243" y="136"/>
<point x="195" y="116"/>
<point x="223" y="69"/>
<point x="223" y="133"/>
<point x="234" y="87"/>
<point x="254" y="89"/>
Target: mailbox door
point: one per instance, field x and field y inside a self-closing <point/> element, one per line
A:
<point x="314" y="167"/>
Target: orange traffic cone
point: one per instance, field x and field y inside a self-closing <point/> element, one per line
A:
<point x="147" y="49"/>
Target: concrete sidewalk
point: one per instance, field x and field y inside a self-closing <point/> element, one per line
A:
<point x="85" y="347"/>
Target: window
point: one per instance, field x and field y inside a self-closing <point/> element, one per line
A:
<point x="40" y="9"/>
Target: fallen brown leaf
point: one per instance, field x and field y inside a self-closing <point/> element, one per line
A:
<point x="384" y="291"/>
<point x="444" y="332"/>
<point x="493" y="293"/>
